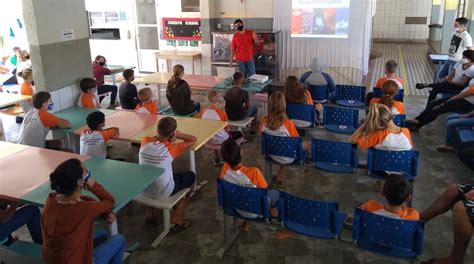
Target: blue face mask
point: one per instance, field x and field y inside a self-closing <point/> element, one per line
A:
<point x="50" y="106"/>
<point x="88" y="175"/>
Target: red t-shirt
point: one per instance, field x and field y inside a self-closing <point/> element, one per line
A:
<point x="243" y="44"/>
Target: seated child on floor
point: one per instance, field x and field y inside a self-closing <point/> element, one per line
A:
<point x="88" y="98"/>
<point x="94" y="140"/>
<point x="215" y="112"/>
<point x="296" y="93"/>
<point x="278" y="124"/>
<point x="146" y="105"/>
<point x="389" y="90"/>
<point x="396" y="190"/>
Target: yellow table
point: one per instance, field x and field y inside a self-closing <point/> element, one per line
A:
<point x="7" y="99"/>
<point x="202" y="129"/>
<point x="7" y="148"/>
<point x="169" y="55"/>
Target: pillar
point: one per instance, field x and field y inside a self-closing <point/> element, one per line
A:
<point x="450" y="13"/>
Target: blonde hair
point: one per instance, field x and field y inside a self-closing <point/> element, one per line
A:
<point x="389" y="90"/>
<point x="378" y="118"/>
<point x="178" y="69"/>
<point x="294" y="92"/>
<point x="276" y="111"/>
<point x="25" y="73"/>
<point x="144" y="94"/>
<point x="213" y="96"/>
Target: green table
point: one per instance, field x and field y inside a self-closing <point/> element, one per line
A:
<point x="122" y="179"/>
<point x="117" y="69"/>
<point x="250" y="87"/>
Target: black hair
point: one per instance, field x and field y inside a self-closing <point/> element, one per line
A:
<point x="396" y="189"/>
<point x="127" y="74"/>
<point x="461" y="20"/>
<point x="230" y="152"/>
<point x="86" y="84"/>
<point x="167" y="126"/>
<point x="40" y="98"/>
<point x="64" y="177"/>
<point x="237" y="76"/>
<point x="238" y="20"/>
<point x="468" y="54"/>
<point x="94" y="120"/>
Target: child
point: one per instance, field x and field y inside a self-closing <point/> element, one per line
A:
<point x="128" y="91"/>
<point x="68" y="218"/>
<point x="160" y="151"/>
<point x="278" y="124"/>
<point x="235" y="172"/>
<point x="178" y="93"/>
<point x="389" y="90"/>
<point x="99" y="70"/>
<point x="379" y="131"/>
<point x="13" y="216"/>
<point x="214" y="112"/>
<point x="26" y="87"/>
<point x="295" y="93"/>
<point x="237" y="102"/>
<point x="396" y="190"/>
<point x="146" y="106"/>
<point x="94" y="140"/>
<point x="88" y="98"/>
<point x="390" y="74"/>
<point x="38" y="121"/>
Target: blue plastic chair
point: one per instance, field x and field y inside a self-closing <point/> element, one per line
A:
<point x="231" y="198"/>
<point x="301" y="112"/>
<point x="319" y="93"/>
<point x="289" y="147"/>
<point x="378" y="93"/>
<point x="340" y="120"/>
<point x="404" y="162"/>
<point x="350" y="95"/>
<point x="334" y="156"/>
<point x="399" y="120"/>
<point x="466" y="135"/>
<point x="311" y="218"/>
<point x="388" y="236"/>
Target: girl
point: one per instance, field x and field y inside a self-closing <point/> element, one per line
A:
<point x="389" y="90"/>
<point x="295" y="93"/>
<point x="278" y="124"/>
<point x="99" y="69"/>
<point x="67" y="219"/>
<point x="27" y="86"/>
<point x="179" y="93"/>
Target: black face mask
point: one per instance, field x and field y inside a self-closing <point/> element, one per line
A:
<point x="101" y="63"/>
<point x="27" y="57"/>
<point x="240" y="28"/>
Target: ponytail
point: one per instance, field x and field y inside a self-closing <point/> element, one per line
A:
<point x="377" y="119"/>
<point x="389" y="90"/>
<point x="178" y="69"/>
<point x="64" y="178"/>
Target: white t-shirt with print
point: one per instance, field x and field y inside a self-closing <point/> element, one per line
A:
<point x="459" y="43"/>
<point x="459" y="72"/>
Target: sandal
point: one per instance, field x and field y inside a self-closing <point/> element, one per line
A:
<point x="178" y="228"/>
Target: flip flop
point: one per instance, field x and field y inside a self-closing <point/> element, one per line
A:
<point x="178" y="228"/>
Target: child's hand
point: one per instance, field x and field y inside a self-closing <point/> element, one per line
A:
<point x="470" y="195"/>
<point x="90" y="183"/>
<point x="110" y="218"/>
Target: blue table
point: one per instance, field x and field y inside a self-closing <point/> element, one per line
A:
<point x="438" y="59"/>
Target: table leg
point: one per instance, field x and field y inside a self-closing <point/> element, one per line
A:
<point x="168" y="65"/>
<point x="192" y="167"/>
<point x="159" y="94"/>
<point x="114" y="81"/>
<point x="200" y="59"/>
<point x="113" y="229"/>
<point x="438" y="67"/>
<point x="192" y="61"/>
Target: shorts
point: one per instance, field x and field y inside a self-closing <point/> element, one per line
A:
<point x="183" y="180"/>
<point x="468" y="204"/>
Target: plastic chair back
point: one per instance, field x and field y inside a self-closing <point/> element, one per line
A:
<point x="301" y="112"/>
<point x="403" y="161"/>
<point x="334" y="156"/>
<point x="340" y="120"/>
<point x="378" y="94"/>
<point x="399" y="120"/>
<point x="319" y="93"/>
<point x="290" y="147"/>
<point x="350" y="95"/>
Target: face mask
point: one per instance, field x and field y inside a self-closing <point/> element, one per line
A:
<point x="93" y="90"/>
<point x="101" y="63"/>
<point x="240" y="28"/>
<point x="463" y="61"/>
<point x="50" y="106"/>
<point x="88" y="175"/>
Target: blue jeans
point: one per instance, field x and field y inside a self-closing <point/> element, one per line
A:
<point x="453" y="124"/>
<point x="445" y="69"/>
<point x="246" y="67"/>
<point x="251" y="112"/>
<point x="108" y="250"/>
<point x="28" y="215"/>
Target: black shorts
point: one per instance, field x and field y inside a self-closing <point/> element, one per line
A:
<point x="183" y="180"/>
<point x="468" y="204"/>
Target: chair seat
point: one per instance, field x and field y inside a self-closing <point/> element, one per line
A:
<point x="350" y="103"/>
<point x="340" y="128"/>
<point x="466" y="135"/>
<point x="241" y="123"/>
<point x="163" y="203"/>
<point x="334" y="167"/>
<point x="310" y="231"/>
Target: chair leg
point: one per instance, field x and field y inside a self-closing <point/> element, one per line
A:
<point x="229" y="237"/>
<point x="166" y="227"/>
<point x="412" y="189"/>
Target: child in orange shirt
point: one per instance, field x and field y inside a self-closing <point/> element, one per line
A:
<point x="88" y="98"/>
<point x="278" y="124"/>
<point x="389" y="90"/>
<point x="215" y="112"/>
<point x="27" y="87"/>
<point x="396" y="190"/>
<point x="147" y="105"/>
<point x="390" y="74"/>
<point x="94" y="140"/>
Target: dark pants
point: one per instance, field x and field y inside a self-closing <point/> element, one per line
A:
<point x="445" y="106"/>
<point x="441" y="88"/>
<point x="28" y="215"/>
<point x="182" y="180"/>
<point x="105" y="88"/>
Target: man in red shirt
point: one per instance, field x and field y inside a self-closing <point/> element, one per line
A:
<point x="242" y="46"/>
<point x="99" y="69"/>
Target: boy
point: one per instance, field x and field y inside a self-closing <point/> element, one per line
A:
<point x="38" y="121"/>
<point x="93" y="141"/>
<point x="214" y="112"/>
<point x="147" y="106"/>
<point x="128" y="91"/>
<point x="160" y="151"/>
<point x="88" y="98"/>
<point x="237" y="103"/>
<point x="390" y="74"/>
<point x="396" y="190"/>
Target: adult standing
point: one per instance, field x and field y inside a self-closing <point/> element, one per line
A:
<point x="99" y="69"/>
<point x="460" y="41"/>
<point x="242" y="47"/>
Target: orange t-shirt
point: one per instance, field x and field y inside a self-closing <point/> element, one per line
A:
<point x="382" y="80"/>
<point x="26" y="88"/>
<point x="378" y="137"/>
<point x="286" y="124"/>
<point x="377" y="208"/>
<point x="254" y="175"/>
<point x="48" y="119"/>
<point x="151" y="107"/>
<point x="88" y="101"/>
<point x="221" y="113"/>
<point x="399" y="106"/>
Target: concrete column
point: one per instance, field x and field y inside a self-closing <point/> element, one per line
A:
<point x="207" y="8"/>
<point x="450" y="13"/>
<point x="58" y="34"/>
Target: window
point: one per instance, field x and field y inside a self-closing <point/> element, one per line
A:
<point x="190" y="6"/>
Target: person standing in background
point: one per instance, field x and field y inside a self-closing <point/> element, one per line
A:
<point x="242" y="47"/>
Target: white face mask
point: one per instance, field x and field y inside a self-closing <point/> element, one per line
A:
<point x="463" y="61"/>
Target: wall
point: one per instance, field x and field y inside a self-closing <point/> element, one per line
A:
<point x="389" y="20"/>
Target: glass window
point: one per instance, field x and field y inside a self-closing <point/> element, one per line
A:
<point x="190" y="6"/>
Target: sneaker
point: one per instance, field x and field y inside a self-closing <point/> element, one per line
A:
<point x="421" y="85"/>
<point x="218" y="163"/>
<point x="445" y="149"/>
